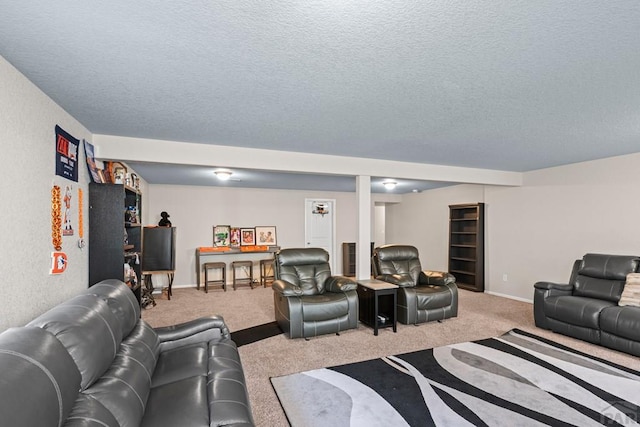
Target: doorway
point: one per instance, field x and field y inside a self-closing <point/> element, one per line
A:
<point x="319" y="221"/>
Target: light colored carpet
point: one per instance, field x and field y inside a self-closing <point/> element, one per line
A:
<point x="479" y="316"/>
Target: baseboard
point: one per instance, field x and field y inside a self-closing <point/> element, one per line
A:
<point x="498" y="294"/>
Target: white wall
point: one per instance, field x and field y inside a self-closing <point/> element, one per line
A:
<point x="536" y="231"/>
<point x="27" y="134"/>
<point x="195" y="210"/>
<point x="422" y="220"/>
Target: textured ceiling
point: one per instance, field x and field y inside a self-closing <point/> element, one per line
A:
<point x="507" y="84"/>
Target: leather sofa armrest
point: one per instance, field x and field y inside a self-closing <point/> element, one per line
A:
<point x="561" y="288"/>
<point x="286" y="289"/>
<point x="203" y="329"/>
<point x="340" y="284"/>
<point x="432" y="277"/>
<point x="403" y="281"/>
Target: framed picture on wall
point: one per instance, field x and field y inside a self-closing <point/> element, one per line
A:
<point x="234" y="237"/>
<point x="248" y="236"/>
<point x="266" y="236"/>
<point x="221" y="235"/>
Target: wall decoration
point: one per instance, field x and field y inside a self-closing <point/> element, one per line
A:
<point x="221" y="235"/>
<point x="248" y="236"/>
<point x="56" y="218"/>
<point x="234" y="238"/>
<point x="67" y="228"/>
<point x="95" y="173"/>
<point x="320" y="209"/>
<point x="59" y="262"/>
<point x="266" y="236"/>
<point x="66" y="155"/>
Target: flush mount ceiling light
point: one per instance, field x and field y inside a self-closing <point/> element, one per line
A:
<point x="389" y="185"/>
<point x="223" y="175"/>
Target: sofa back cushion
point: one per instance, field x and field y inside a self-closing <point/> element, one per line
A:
<point x="603" y="276"/>
<point x="88" y="329"/>
<point x="121" y="301"/>
<point x="40" y="380"/>
<point x="307" y="268"/>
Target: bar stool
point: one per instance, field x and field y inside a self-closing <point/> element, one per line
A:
<point x="248" y="268"/>
<point x="222" y="281"/>
<point x="266" y="272"/>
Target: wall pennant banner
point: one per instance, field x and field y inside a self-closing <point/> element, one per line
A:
<point x="66" y="155"/>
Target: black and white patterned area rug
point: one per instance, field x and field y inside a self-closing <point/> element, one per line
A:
<point x="517" y="379"/>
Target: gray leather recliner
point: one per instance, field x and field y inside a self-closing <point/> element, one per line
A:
<point x="308" y="300"/>
<point x="587" y="307"/>
<point x="423" y="296"/>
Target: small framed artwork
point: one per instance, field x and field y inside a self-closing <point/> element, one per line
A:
<point x="266" y="236"/>
<point x="234" y="237"/>
<point x="248" y="236"/>
<point x="221" y="235"/>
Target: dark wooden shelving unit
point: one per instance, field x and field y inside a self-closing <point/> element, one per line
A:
<point x="466" y="245"/>
<point x="114" y="211"/>
<point x="349" y="258"/>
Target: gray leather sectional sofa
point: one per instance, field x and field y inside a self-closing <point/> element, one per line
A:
<point x="91" y="361"/>
<point x="587" y="307"/>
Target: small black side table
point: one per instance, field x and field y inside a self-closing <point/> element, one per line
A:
<point x="378" y="301"/>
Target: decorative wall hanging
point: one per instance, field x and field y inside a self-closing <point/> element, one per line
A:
<point x="221" y="235"/>
<point x="266" y="236"/>
<point x="96" y="174"/>
<point x="81" y="242"/>
<point x="56" y="218"/>
<point x="66" y="155"/>
<point x="320" y="209"/>
<point x="67" y="229"/>
<point x="248" y="236"/>
<point x="234" y="237"/>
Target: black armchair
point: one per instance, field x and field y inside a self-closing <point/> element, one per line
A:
<point x="308" y="300"/>
<point x="423" y="296"/>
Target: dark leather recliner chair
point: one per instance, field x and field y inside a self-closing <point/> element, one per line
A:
<point x="587" y="307"/>
<point x="423" y="296"/>
<point x="308" y="300"/>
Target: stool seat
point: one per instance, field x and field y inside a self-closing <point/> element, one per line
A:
<point x="266" y="272"/>
<point x="248" y="267"/>
<point x="213" y="266"/>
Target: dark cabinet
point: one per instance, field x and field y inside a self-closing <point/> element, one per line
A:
<point x="159" y="249"/>
<point x="466" y="245"/>
<point x="349" y="258"/>
<point x="115" y="233"/>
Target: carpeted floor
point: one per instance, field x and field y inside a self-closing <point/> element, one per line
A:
<point x="480" y="316"/>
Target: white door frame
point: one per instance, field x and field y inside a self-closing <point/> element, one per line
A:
<point x="332" y="216"/>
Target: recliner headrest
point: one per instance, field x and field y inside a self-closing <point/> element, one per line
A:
<point x="396" y="252"/>
<point x="302" y="256"/>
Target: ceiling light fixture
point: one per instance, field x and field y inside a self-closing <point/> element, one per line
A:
<point x="223" y="175"/>
<point x="389" y="185"/>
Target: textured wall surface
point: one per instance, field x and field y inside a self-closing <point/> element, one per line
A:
<point x="27" y="137"/>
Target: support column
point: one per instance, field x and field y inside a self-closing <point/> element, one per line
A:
<point x="363" y="241"/>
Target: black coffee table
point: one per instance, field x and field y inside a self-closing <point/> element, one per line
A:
<point x="378" y="301"/>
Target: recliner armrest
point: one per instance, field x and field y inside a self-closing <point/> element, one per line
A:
<point x="547" y="286"/>
<point x="203" y="329"/>
<point x="404" y="281"/>
<point x="433" y="277"/>
<point x="340" y="284"/>
<point x="286" y="289"/>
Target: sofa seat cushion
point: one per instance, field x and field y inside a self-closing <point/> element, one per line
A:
<point x="181" y="403"/>
<point x="579" y="311"/>
<point x="430" y="297"/>
<point x="89" y="412"/>
<point x="180" y="363"/>
<point x="327" y="306"/>
<point x="228" y="402"/>
<point x="621" y="321"/>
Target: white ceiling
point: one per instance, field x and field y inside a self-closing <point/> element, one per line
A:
<point x="512" y="85"/>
